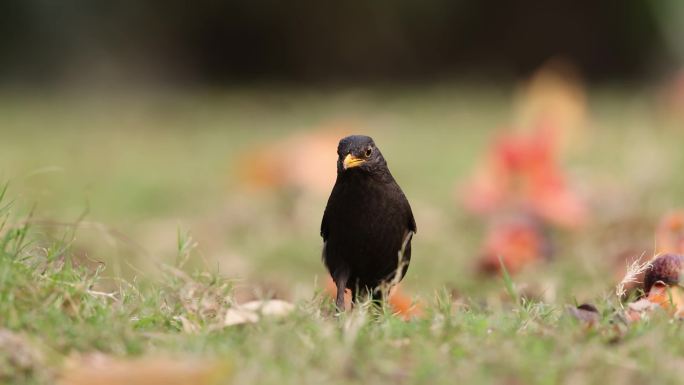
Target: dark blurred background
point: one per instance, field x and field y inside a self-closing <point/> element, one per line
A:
<point x="211" y="42"/>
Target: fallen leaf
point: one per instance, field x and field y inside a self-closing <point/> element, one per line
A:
<point x="253" y="311"/>
<point x="640" y="309"/>
<point x="99" y="369"/>
<point x="587" y="314"/>
<point x="18" y="357"/>
<point x="669" y="298"/>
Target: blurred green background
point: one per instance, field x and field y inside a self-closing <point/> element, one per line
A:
<point x="149" y="118"/>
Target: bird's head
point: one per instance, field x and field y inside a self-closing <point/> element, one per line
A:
<point x="359" y="152"/>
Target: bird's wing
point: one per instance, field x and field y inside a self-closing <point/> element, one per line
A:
<point x="405" y="252"/>
<point x="405" y="243"/>
<point x="411" y="220"/>
<point x="324" y="225"/>
<point x="325" y="229"/>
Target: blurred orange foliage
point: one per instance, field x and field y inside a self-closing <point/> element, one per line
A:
<point x="670" y="233"/>
<point x="305" y="162"/>
<point x="554" y="95"/>
<point x="517" y="241"/>
<point x="522" y="171"/>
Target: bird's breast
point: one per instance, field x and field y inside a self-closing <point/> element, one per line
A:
<point x="367" y="219"/>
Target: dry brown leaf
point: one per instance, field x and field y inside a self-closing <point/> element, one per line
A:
<point x="253" y="311"/>
<point x="587" y="314"/>
<point x="669" y="298"/>
<point x="104" y="370"/>
<point x="639" y="310"/>
<point x="18" y="356"/>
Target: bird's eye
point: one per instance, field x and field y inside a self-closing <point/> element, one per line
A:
<point x="368" y="153"/>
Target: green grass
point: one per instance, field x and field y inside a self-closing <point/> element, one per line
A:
<point x="46" y="296"/>
<point x="129" y="234"/>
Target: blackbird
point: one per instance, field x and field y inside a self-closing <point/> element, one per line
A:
<point x="367" y="225"/>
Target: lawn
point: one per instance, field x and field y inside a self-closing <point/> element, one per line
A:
<point x="131" y="231"/>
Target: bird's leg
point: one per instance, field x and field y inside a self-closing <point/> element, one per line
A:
<point x="378" y="295"/>
<point x="341" y="277"/>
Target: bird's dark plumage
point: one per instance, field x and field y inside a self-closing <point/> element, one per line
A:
<point x="368" y="224"/>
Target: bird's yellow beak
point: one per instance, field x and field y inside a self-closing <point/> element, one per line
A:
<point x="351" y="161"/>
